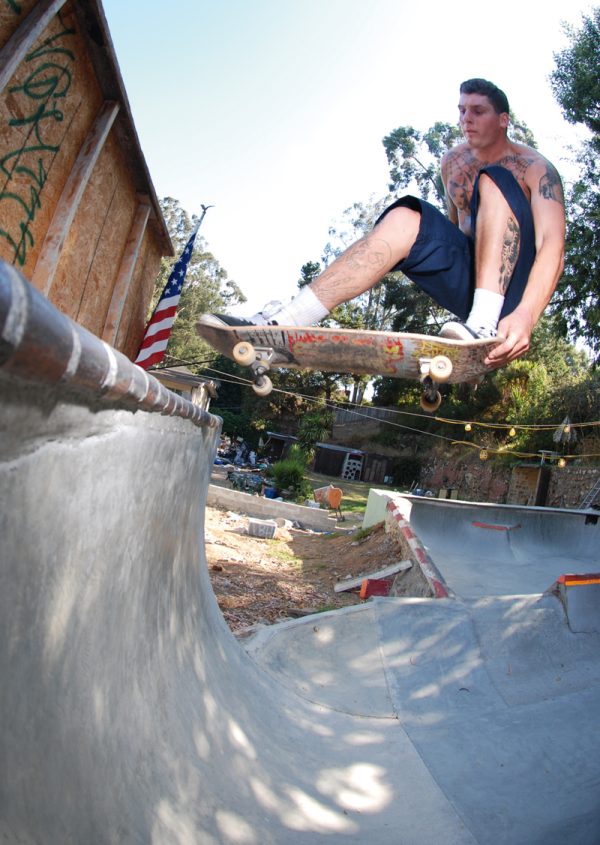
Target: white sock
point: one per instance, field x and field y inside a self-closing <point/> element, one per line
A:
<point x="305" y="309"/>
<point x="485" y="311"/>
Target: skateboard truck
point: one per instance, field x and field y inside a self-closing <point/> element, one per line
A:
<point x="434" y="371"/>
<point x="258" y="360"/>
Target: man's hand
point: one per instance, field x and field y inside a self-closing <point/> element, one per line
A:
<point x="516" y="330"/>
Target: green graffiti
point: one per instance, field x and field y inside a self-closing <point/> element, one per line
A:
<point x="26" y="166"/>
<point x="14" y="7"/>
<point x="48" y="46"/>
<point x="47" y="80"/>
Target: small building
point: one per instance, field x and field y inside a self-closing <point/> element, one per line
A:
<point x="338" y="461"/>
<point x="182" y="381"/>
<point x="529" y="484"/>
<point x="351" y="464"/>
<point x="80" y="217"/>
<point x="278" y="445"/>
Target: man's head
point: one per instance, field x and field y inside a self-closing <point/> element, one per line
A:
<point x="483" y="114"/>
<point x="495" y="95"/>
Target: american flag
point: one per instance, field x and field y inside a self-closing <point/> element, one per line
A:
<point x="158" y="330"/>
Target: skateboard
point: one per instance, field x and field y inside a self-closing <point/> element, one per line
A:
<point x="429" y="359"/>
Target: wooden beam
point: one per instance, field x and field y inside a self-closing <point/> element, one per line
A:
<point x="67" y="205"/>
<point x="125" y="274"/>
<point x="23" y="39"/>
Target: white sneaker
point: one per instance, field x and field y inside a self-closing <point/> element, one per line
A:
<point x="261" y="318"/>
<point x="305" y="309"/>
<point x="460" y="331"/>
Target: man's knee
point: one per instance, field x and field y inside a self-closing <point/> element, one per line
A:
<point x="490" y="192"/>
<point x="492" y="202"/>
<point x="400" y="223"/>
<point x="488" y="188"/>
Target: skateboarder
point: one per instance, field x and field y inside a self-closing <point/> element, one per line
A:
<point x="494" y="261"/>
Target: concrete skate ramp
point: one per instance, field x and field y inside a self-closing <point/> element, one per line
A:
<point x="129" y="714"/>
<point x="484" y="550"/>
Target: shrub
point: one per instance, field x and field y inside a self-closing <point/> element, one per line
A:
<point x="288" y="475"/>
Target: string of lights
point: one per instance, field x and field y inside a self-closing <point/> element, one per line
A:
<point x="485" y="450"/>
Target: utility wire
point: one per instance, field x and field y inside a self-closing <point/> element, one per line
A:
<point x="350" y="407"/>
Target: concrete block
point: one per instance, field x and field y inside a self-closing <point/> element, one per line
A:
<point x="376" y="506"/>
<point x="264" y="528"/>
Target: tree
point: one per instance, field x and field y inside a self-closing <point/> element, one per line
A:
<point x="575" y="80"/>
<point x="576" y="85"/>
<point x="414" y="158"/>
<point x="315" y="427"/>
<point x="295" y="396"/>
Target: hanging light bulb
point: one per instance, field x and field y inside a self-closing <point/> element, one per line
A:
<point x="512" y="432"/>
<point x="483" y="455"/>
<point x="562" y="463"/>
<point x="468" y="427"/>
<point x="567" y="429"/>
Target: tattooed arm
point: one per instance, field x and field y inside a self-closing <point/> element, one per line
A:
<point x="547" y="205"/>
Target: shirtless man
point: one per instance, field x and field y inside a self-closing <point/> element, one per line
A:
<point x="495" y="260"/>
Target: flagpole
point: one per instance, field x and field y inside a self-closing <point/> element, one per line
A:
<point x="203" y="215"/>
<point x="158" y="331"/>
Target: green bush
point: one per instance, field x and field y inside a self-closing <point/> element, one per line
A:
<point x="288" y="476"/>
<point x="298" y="454"/>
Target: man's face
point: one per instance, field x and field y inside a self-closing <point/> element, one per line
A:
<point x="481" y="125"/>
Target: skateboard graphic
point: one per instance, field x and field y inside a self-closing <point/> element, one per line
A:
<point x="429" y="359"/>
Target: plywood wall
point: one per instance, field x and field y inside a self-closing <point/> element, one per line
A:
<point x="72" y="176"/>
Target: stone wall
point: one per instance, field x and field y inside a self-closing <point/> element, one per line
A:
<point x="568" y="486"/>
<point x="472" y="479"/>
<point x="486" y="481"/>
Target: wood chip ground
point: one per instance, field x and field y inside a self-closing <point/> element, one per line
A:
<point x="261" y="582"/>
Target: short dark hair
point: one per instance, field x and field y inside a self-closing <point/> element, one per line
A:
<point x="495" y="95"/>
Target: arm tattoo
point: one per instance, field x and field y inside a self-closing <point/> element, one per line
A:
<point x="550" y="186"/>
<point x="510" y="253"/>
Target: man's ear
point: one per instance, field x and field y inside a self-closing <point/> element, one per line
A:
<point x="504" y="120"/>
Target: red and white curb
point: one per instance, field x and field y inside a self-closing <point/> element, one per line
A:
<point x="427" y="566"/>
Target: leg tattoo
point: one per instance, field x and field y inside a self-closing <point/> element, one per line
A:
<point x="357" y="268"/>
<point x="369" y="254"/>
<point x="510" y="253"/>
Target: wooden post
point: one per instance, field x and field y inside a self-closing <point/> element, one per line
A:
<point x="19" y="44"/>
<point x="125" y="275"/>
<point x="67" y="205"/>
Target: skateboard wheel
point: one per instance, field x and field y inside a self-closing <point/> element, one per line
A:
<point x="243" y="353"/>
<point x="430" y="405"/>
<point x="440" y="368"/>
<point x="262" y="386"/>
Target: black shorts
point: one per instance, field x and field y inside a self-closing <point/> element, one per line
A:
<point x="442" y="260"/>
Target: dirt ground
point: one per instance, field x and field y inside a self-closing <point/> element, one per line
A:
<point x="260" y="582"/>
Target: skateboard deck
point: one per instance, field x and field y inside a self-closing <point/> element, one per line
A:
<point x="427" y="358"/>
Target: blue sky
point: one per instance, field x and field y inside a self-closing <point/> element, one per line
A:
<point x="273" y="111"/>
